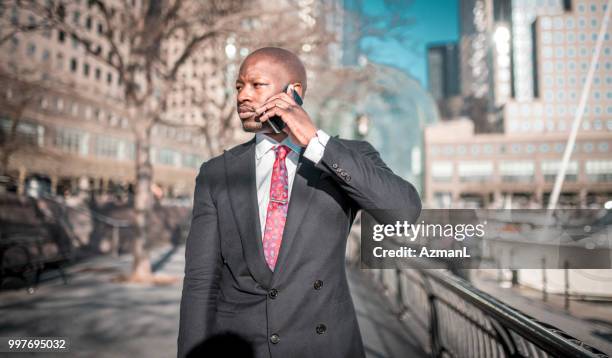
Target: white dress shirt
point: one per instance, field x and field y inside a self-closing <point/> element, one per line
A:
<point x="264" y="163"/>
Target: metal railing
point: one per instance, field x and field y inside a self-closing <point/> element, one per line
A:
<point x="455" y="319"/>
<point x="115" y="224"/>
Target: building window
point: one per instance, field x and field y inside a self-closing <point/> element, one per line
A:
<point x="75" y="42"/>
<point x="69" y="140"/>
<point x="561" y="109"/>
<point x="561" y="126"/>
<point x="73" y="64"/>
<point x="167" y="156"/>
<point x="560" y="81"/>
<point x="107" y="147"/>
<point x="602" y="147"/>
<point x="27" y="133"/>
<point x="192" y="161"/>
<point x="516" y="171"/>
<point x="61" y="36"/>
<point x="31" y="49"/>
<point x="442" y="171"/>
<point x="550" y="168"/>
<point x="86" y="70"/>
<point x="59" y="61"/>
<point x="475" y="149"/>
<point x="597" y="125"/>
<point x="599" y="170"/>
<point x="475" y="171"/>
<point x="98" y="73"/>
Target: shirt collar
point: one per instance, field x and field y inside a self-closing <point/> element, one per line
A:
<point x="265" y="143"/>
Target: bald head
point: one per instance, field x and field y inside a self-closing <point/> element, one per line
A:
<point x="292" y="64"/>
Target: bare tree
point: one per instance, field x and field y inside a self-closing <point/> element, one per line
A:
<point x="20" y="92"/>
<point x="146" y="43"/>
<point x="389" y="21"/>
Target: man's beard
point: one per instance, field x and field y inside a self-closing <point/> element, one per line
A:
<point x="251" y="126"/>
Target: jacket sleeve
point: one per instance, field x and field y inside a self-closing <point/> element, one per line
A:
<point x="369" y="182"/>
<point x="202" y="269"/>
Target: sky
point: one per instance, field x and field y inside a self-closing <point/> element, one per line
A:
<point x="434" y="21"/>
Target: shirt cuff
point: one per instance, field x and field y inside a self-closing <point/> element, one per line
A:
<point x="316" y="146"/>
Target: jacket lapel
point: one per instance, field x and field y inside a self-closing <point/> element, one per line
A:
<point x="242" y="191"/>
<point x="241" y="184"/>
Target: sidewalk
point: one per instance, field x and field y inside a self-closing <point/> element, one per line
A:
<point x="101" y="318"/>
<point x="106" y="319"/>
<point x="590" y="322"/>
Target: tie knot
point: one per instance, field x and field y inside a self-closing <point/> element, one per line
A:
<point x="281" y="151"/>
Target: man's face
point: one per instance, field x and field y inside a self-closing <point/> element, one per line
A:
<point x="258" y="80"/>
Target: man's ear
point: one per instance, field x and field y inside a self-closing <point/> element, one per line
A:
<point x="298" y="88"/>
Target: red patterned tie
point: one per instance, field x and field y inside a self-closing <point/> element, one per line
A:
<point x="277" y="207"/>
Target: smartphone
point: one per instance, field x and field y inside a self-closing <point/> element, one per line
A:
<point x="276" y="122"/>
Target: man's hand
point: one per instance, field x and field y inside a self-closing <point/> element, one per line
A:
<point x="299" y="125"/>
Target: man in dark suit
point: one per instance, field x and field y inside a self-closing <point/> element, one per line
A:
<point x="265" y="252"/>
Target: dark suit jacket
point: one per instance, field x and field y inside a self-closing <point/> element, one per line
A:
<point x="303" y="308"/>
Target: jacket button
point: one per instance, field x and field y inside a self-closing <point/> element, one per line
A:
<point x="274" y="338"/>
<point x="273" y="293"/>
<point x="343" y="174"/>
<point x="334" y="165"/>
<point x="317" y="284"/>
<point x="321" y="328"/>
<point x="348" y="178"/>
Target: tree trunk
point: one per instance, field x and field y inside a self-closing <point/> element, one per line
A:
<point x="143" y="205"/>
<point x="4" y="160"/>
